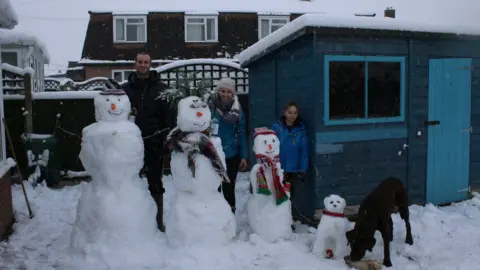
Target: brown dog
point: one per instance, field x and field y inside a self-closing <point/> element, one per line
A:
<point x="375" y="214"/>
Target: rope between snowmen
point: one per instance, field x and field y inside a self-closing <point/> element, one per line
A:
<point x="146" y="137"/>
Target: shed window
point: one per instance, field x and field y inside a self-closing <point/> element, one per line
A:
<point x="270" y="24"/>
<point x="201" y="29"/>
<point x="130" y="29"/>
<point x="364" y="89"/>
<point x="10" y="58"/>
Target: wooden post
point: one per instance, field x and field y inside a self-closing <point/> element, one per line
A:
<point x="27" y="82"/>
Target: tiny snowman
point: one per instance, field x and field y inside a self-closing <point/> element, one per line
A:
<point x="115" y="212"/>
<point x="199" y="214"/>
<point x="269" y="207"/>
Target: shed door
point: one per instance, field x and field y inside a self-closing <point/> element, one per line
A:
<point x="449" y="96"/>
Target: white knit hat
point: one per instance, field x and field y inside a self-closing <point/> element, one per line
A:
<point x="226" y="83"/>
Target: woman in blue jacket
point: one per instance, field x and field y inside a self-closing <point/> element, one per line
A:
<point x="228" y="123"/>
<point x="292" y="133"/>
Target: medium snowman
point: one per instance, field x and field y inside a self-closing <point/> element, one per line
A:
<point x="269" y="207"/>
<point x="115" y="213"/>
<point x="199" y="214"/>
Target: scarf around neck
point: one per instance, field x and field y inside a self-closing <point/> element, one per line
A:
<point x="262" y="184"/>
<point x="229" y="110"/>
<point x="179" y="141"/>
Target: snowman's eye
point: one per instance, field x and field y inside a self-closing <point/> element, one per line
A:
<point x="273" y="140"/>
<point x="331" y="202"/>
<point x="338" y="201"/>
<point x="265" y="141"/>
<point x="192" y="106"/>
<point x="204" y="105"/>
<point x="108" y="100"/>
<point x="118" y="99"/>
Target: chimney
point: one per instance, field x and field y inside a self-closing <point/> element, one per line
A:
<point x="389" y="13"/>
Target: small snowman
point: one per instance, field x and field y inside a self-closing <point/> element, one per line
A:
<point x="115" y="213"/>
<point x="199" y="214"/>
<point x="269" y="207"/>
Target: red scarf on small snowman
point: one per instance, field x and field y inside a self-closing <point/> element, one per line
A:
<point x="262" y="184"/>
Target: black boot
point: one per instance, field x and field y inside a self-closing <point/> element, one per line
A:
<point x="159" y="201"/>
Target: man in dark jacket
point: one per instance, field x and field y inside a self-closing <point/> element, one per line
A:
<point x="152" y="117"/>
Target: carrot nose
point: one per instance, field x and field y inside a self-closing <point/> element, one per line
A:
<point x="113" y="106"/>
<point x="199" y="114"/>
<point x="270" y="147"/>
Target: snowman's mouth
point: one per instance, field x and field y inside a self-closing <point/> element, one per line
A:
<point x="269" y="151"/>
<point x="198" y="125"/>
<point x="115" y="113"/>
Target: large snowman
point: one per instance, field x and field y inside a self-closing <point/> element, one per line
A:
<point x="115" y="213"/>
<point x="269" y="207"/>
<point x="199" y="214"/>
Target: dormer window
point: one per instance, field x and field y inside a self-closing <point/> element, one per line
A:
<point x="130" y="29"/>
<point x="200" y="29"/>
<point x="270" y="24"/>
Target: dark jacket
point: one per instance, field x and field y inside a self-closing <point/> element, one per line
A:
<point x="293" y="145"/>
<point x="151" y="112"/>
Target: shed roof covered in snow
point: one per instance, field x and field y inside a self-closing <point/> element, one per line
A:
<point x="298" y="27"/>
<point x="21" y="38"/>
<point x="8" y="17"/>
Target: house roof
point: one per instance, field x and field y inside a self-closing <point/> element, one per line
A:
<point x="213" y="6"/>
<point x="294" y="29"/>
<point x="8" y="17"/>
<point x="21" y="38"/>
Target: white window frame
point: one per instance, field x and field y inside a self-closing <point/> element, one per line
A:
<point x="124" y="18"/>
<point x="19" y="57"/>
<point x="205" y="24"/>
<point x="270" y="23"/>
<point x="3" y="150"/>
<point x="123" y="73"/>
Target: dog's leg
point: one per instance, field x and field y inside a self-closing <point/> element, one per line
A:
<point x="386" y="243"/>
<point x="404" y="214"/>
<point x="391" y="228"/>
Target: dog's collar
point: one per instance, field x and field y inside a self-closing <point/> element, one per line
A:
<point x="328" y="213"/>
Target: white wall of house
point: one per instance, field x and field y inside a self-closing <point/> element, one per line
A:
<point x="24" y="56"/>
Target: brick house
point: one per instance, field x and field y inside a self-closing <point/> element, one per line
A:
<point x="113" y="38"/>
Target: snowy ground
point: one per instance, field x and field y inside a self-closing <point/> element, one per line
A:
<point x="445" y="238"/>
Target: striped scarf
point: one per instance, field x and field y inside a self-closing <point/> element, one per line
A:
<point x="262" y="184"/>
<point x="178" y="141"/>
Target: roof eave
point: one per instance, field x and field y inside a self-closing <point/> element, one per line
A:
<point x="278" y="45"/>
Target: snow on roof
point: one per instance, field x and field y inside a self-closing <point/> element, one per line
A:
<point x="213" y="6"/>
<point x="69" y="23"/>
<point x="8" y="17"/>
<point x="314" y="20"/>
<point x="117" y="62"/>
<point x="21" y="38"/>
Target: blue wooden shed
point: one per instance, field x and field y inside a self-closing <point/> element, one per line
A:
<point x="380" y="97"/>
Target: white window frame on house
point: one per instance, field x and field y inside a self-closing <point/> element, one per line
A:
<point x="125" y="24"/>
<point x="204" y="24"/>
<point x="18" y="52"/>
<point x="3" y="151"/>
<point x="271" y="23"/>
<point x="123" y="73"/>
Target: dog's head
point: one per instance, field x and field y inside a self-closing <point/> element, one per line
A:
<point x="334" y="203"/>
<point x="361" y="238"/>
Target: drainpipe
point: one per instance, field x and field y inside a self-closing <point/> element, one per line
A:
<point x="26" y="63"/>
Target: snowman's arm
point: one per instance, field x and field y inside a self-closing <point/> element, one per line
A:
<point x="253" y="177"/>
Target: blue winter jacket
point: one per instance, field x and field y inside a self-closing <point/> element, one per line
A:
<point x="294" y="155"/>
<point x="233" y="136"/>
